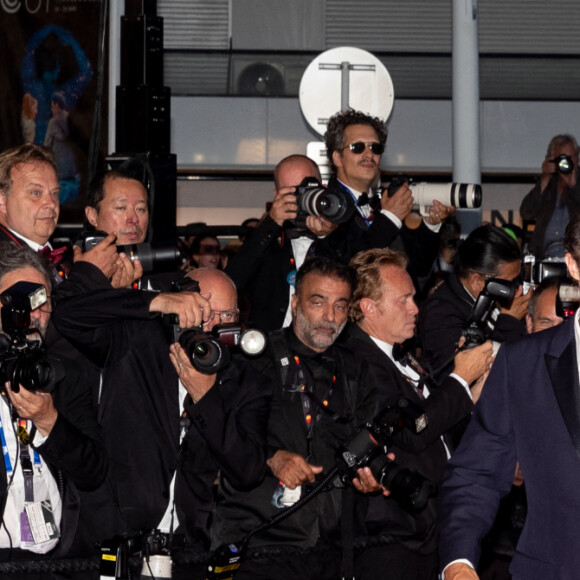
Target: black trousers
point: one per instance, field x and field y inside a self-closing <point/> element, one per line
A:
<point x="393" y="562"/>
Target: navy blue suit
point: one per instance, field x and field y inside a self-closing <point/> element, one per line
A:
<point x="529" y="412"/>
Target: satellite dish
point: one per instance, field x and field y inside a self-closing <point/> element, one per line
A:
<point x="345" y="77"/>
<point x="262" y="80"/>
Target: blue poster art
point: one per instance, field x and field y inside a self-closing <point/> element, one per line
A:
<point x="48" y="86"/>
<point x="48" y="100"/>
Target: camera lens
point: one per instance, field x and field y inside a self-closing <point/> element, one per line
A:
<point x="207" y="354"/>
<point x="564" y="164"/>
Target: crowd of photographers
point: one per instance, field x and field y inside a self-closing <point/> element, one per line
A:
<point x="138" y="416"/>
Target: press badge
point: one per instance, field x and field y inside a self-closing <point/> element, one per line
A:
<point x="37" y="523"/>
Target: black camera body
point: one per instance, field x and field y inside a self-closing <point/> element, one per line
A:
<point x="480" y="324"/>
<point x="368" y="448"/>
<point x="334" y="204"/>
<point x="209" y="352"/>
<point x="564" y="164"/>
<point x="24" y="361"/>
<point x="153" y="257"/>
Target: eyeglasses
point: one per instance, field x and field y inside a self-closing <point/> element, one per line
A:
<point x="358" y="147"/>
<point x="225" y="316"/>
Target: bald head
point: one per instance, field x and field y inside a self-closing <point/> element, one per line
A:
<point x="222" y="293"/>
<point x="293" y="169"/>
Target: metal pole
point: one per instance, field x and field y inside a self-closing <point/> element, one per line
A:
<point x="466" y="137"/>
<point x="345" y="86"/>
<point x="117" y="10"/>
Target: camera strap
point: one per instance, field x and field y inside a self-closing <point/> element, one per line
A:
<point x="312" y="406"/>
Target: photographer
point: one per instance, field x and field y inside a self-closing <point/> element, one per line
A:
<point x="355" y="143"/>
<point x="65" y="444"/>
<point x="384" y="314"/>
<point x="321" y="395"/>
<point x="555" y="199"/>
<point x="271" y="255"/>
<point x="488" y="252"/>
<point x="118" y="204"/>
<point x="168" y="428"/>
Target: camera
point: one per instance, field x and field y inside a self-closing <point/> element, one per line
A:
<point x="209" y="352"/>
<point x="368" y="448"/>
<point x="334" y="204"/>
<point x="24" y="361"/>
<point x="564" y="164"/>
<point x="460" y="195"/>
<point x="481" y="324"/>
<point x="153" y="257"/>
<point x="535" y="272"/>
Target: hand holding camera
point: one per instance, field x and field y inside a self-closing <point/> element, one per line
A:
<point x="195" y="382"/>
<point x="102" y="254"/>
<point x="563" y="165"/>
<point x="284" y="206"/>
<point x="400" y="202"/>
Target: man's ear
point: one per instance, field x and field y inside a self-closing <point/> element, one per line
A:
<point x="476" y="283"/>
<point x="2" y="202"/>
<point x="337" y="158"/>
<point x="293" y="303"/>
<point x="367" y="307"/>
<point x="572" y="266"/>
<point x="529" y="324"/>
<point x="92" y="215"/>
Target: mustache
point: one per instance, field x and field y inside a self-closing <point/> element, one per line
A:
<point x="327" y="326"/>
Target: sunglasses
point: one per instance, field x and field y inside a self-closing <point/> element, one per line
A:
<point x="358" y="147"/>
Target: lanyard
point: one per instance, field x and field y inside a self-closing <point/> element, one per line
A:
<point x="6" y="454"/>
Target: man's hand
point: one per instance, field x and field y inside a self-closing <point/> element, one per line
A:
<point x="197" y="384"/>
<point x="519" y="306"/>
<point x="284" y="206"/>
<point x="460" y="571"/>
<point x="38" y="407"/>
<point x="320" y="226"/>
<point x="477" y="388"/>
<point x="473" y="363"/>
<point x="191" y="307"/>
<point x="366" y="482"/>
<point x="104" y="255"/>
<point x="292" y="469"/>
<point x="127" y="272"/>
<point x="438" y="212"/>
<point x="400" y="203"/>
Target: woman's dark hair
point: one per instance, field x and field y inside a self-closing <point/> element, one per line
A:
<point x="485" y="250"/>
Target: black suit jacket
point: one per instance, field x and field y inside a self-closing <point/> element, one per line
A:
<point x="139" y="412"/>
<point x="445" y="407"/>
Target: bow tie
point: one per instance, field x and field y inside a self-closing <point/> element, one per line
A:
<point x="294" y="234"/>
<point x="364" y="199"/>
<point x="53" y="256"/>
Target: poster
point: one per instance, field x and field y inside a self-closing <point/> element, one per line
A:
<point x="48" y="86"/>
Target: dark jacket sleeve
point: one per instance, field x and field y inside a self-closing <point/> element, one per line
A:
<point x="89" y="312"/>
<point x="480" y="471"/>
<point x="74" y="446"/>
<point x="531" y="204"/>
<point x="232" y="418"/>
